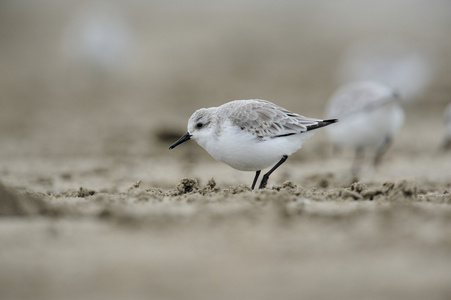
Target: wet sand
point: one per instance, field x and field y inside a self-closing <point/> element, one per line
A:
<point x="109" y="228"/>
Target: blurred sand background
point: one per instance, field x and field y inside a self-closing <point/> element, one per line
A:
<point x="92" y="94"/>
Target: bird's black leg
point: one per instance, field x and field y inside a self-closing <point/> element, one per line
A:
<point x="266" y="176"/>
<point x="357" y="161"/>
<point x="255" y="179"/>
<point x="382" y="149"/>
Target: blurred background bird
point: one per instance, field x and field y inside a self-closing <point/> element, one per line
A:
<point x="370" y="115"/>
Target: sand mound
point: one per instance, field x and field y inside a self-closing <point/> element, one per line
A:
<point x="14" y="204"/>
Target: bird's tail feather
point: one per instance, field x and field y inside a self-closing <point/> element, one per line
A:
<point x="321" y="124"/>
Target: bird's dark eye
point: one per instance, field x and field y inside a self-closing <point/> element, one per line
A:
<point x="199" y="125"/>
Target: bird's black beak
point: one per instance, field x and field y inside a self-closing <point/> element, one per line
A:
<point x="184" y="138"/>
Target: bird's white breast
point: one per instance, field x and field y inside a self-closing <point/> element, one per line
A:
<point x="367" y="128"/>
<point x="244" y="151"/>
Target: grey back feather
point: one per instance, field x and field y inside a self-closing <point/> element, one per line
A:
<point x="265" y="119"/>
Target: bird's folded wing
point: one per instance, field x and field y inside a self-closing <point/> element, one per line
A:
<point x="266" y="120"/>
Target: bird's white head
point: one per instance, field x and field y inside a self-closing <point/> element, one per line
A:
<point x="200" y="124"/>
<point x="200" y="127"/>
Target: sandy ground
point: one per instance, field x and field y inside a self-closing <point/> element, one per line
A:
<point x="95" y="206"/>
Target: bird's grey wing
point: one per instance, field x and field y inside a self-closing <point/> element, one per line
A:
<point x="267" y="120"/>
<point x="359" y="97"/>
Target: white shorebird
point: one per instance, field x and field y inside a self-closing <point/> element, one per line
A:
<point x="250" y="135"/>
<point x="370" y="115"/>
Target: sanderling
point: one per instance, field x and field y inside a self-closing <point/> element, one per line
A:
<point x="250" y="135"/>
<point x="370" y="115"/>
